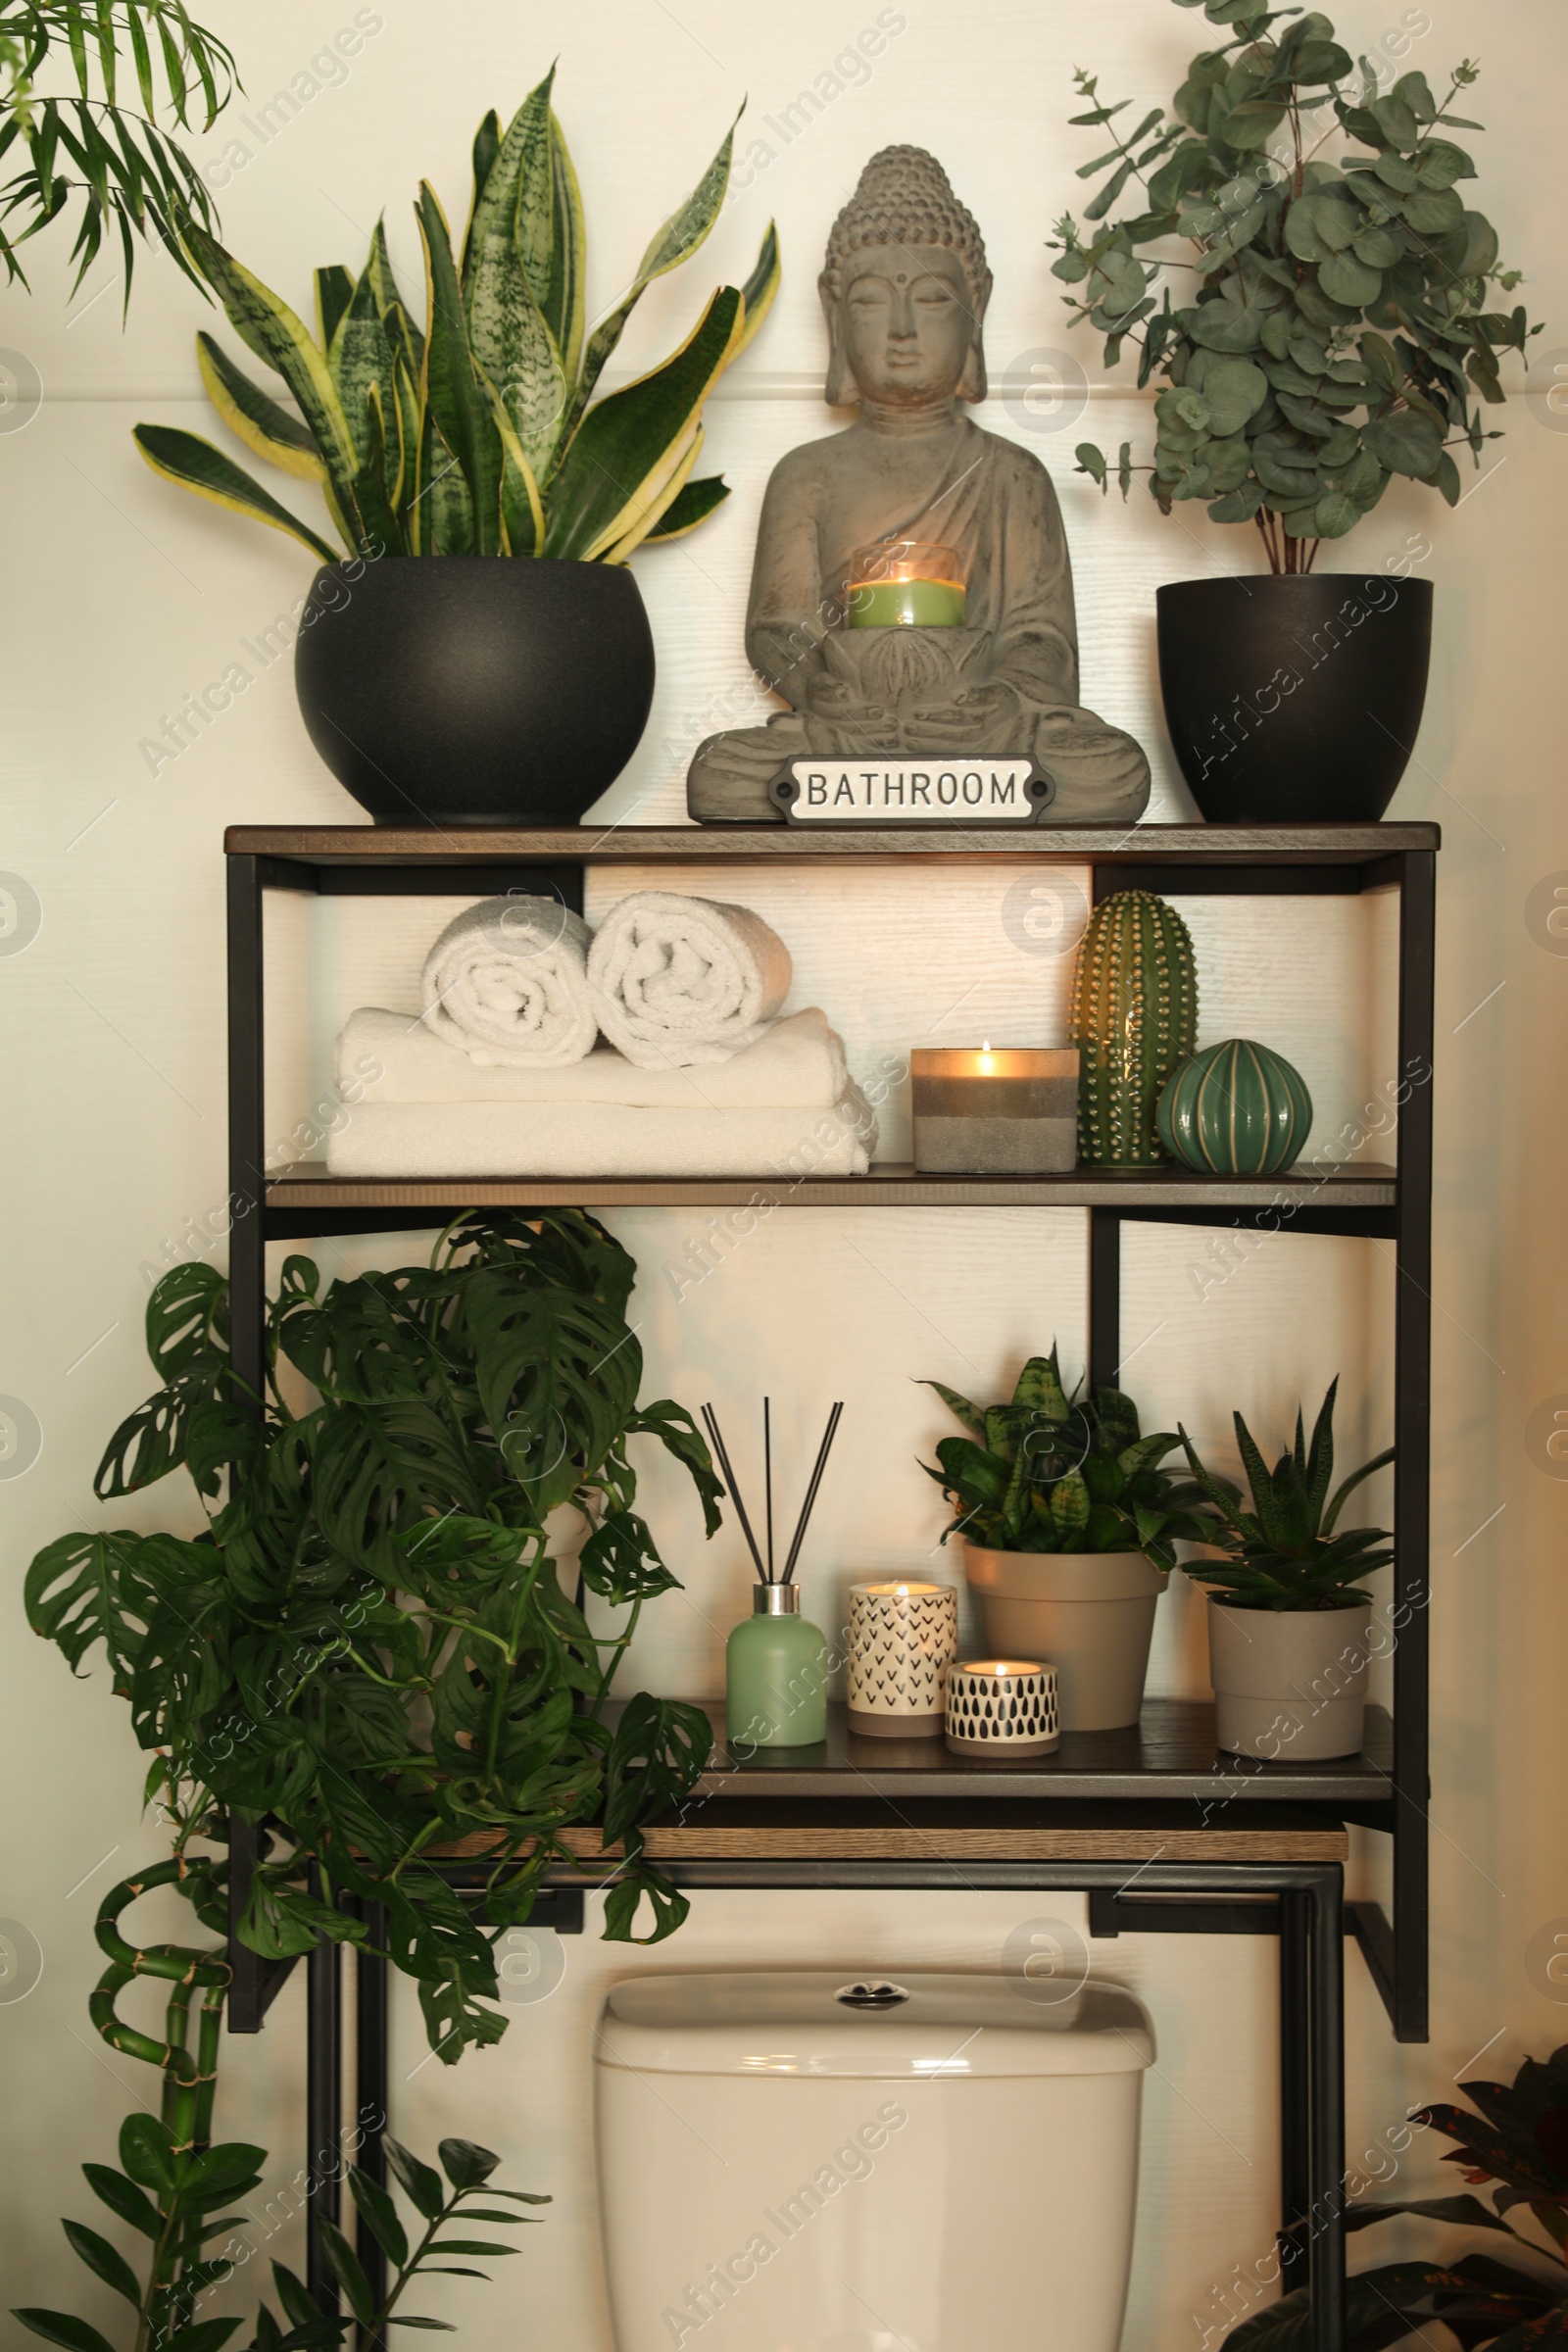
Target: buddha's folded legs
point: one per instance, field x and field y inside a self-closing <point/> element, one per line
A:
<point x="1101" y="775"/>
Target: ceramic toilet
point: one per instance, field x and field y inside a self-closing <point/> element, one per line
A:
<point x="801" y="2162"/>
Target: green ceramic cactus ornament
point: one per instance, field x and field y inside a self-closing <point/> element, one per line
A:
<point x="1134" y="1021"/>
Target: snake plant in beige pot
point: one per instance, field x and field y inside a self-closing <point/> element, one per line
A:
<point x="1070" y="1528"/>
<point x="445" y="686"/>
<point x="1290" y="1626"/>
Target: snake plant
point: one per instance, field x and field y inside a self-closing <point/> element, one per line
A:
<point x="478" y="436"/>
<point x="1284" y="1553"/>
<point x="1049" y="1472"/>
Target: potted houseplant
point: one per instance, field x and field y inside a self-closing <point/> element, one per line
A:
<point x="1071" y="1529"/>
<point x="1518" y="2140"/>
<point x="1340" y="325"/>
<point x="1288" y="1625"/>
<point x="468" y="691"/>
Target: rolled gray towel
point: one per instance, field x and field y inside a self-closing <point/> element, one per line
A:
<point x="506" y="983"/>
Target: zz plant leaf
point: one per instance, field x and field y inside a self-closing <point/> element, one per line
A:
<point x="1344" y="314"/>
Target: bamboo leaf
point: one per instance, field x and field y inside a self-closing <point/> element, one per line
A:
<point x="106" y="2259"/>
<point x="125" y="2198"/>
<point x="380" y="2215"/>
<point x="59" y="2328"/>
<point x="346" y="2269"/>
<point x="184" y="458"/>
<point x="418" y="2181"/>
<point x="255" y="418"/>
<point x="625" y="448"/>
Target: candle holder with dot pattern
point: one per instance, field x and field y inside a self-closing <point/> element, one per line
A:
<point x="1003" y="1707"/>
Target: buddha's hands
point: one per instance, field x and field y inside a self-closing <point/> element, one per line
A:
<point x="926" y="689"/>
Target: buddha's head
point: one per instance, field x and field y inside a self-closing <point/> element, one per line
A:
<point x="904" y="289"/>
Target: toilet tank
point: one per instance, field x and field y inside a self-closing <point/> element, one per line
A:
<point x="805" y="2163"/>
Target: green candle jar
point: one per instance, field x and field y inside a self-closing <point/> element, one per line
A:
<point x="775" y="1674"/>
<point x="905" y="584"/>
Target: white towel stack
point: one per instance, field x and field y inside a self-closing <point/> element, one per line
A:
<point x="701" y="1076"/>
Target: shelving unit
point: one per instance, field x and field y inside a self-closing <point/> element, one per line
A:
<point x="1163" y="1832"/>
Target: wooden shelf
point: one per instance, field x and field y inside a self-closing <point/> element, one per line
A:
<point x="371" y="846"/>
<point x="1266" y="1834"/>
<point x="307" y="1185"/>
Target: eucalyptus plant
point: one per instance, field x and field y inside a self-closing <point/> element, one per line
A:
<point x="367" y="1651"/>
<point x="1514" y="2135"/>
<point x="1048" y="1472"/>
<point x="1285" y="1553"/>
<point x="474" y="435"/>
<point x="130" y="175"/>
<point x="1341" y="321"/>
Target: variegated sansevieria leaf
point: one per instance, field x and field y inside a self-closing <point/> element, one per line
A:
<point x="696" y="502"/>
<point x="335" y="291"/>
<point x="659" y="504"/>
<point x="486" y="147"/>
<point x="760" y="288"/>
<point x="361" y="355"/>
<point x="506" y="330"/>
<point x="620" y="455"/>
<point x="453" y="391"/>
<point x="522" y="518"/>
<point x="382" y="534"/>
<point x="675" y="241"/>
<point x="186" y="458"/>
<point x="564" y="304"/>
<point x="390" y="303"/>
<point x="443" y="502"/>
<point x="272" y="331"/>
<point x="255" y="417"/>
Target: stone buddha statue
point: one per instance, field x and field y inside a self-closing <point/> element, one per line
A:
<point x="904" y="290"/>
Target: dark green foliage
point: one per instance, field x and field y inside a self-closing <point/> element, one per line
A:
<point x="1050" y="1473"/>
<point x="129" y="173"/>
<point x="1518" y="2140"/>
<point x="1342" y="320"/>
<point x="1284" y="1553"/>
<point x="186" y="2187"/>
<point x="368" y="1651"/>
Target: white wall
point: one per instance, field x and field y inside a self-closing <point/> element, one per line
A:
<point x="122" y="596"/>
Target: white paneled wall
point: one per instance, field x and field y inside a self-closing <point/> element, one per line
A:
<point x="121" y="598"/>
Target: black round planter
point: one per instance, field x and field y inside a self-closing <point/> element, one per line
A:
<point x="474" y="690"/>
<point x="1295" y="701"/>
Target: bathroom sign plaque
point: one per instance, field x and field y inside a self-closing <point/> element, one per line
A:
<point x="907" y="788"/>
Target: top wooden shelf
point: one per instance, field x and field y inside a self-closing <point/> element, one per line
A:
<point x="369" y="846"/>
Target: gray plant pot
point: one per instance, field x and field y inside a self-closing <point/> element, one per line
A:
<point x="1090" y="1614"/>
<point x="1289" y="1685"/>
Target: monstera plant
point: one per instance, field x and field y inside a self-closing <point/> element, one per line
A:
<point x="367" y="1653"/>
<point x="473" y="435"/>
<point x="1337" y="322"/>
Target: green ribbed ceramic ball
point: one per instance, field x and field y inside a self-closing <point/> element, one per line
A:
<point x="1235" y="1109"/>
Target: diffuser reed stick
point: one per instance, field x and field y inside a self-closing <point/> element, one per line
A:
<point x="711" y="1418"/>
<point x="810" y="1492"/>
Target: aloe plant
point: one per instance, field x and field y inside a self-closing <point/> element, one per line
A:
<point x="1048" y="1472"/>
<point x="1343" y="316"/>
<point x="477" y="435"/>
<point x="1284" y="1552"/>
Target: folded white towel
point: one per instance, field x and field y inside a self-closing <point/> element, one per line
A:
<point x="683" y="983"/>
<point x="506" y="982"/>
<point x="393" y="1058"/>
<point x="388" y="1139"/>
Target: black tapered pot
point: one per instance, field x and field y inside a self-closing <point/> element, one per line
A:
<point x="474" y="690"/>
<point x="1295" y="701"/>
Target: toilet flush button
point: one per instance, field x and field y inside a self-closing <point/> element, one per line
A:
<point x="875" y="1993"/>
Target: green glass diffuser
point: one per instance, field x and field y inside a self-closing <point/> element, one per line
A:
<point x="775" y="1661"/>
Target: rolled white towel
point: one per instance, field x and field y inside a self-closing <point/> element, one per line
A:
<point x="393" y="1058"/>
<point x="506" y="983"/>
<point x="683" y="983"/>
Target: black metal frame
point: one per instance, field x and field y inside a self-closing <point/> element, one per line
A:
<point x="1303" y="1905"/>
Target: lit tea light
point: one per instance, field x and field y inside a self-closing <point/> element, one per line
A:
<point x="905" y="584"/>
<point x="995" y="1111"/>
<point x="998" y="1707"/>
<point x="903" y="1636"/>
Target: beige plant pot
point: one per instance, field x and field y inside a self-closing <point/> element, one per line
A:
<point x="1289" y="1685"/>
<point x="1090" y="1614"/>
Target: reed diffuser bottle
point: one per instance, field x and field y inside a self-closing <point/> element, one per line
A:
<point x="775" y="1661"/>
